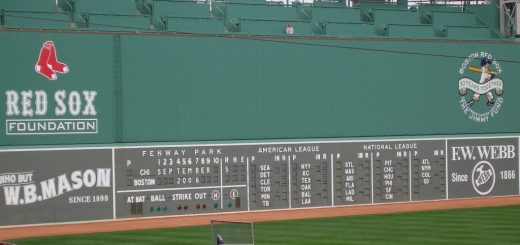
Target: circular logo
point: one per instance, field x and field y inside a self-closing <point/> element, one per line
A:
<point x="215" y="195"/>
<point x="233" y="194"/>
<point x="483" y="178"/>
<point x="480" y="87"/>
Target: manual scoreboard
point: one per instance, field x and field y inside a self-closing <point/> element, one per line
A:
<point x="56" y="185"/>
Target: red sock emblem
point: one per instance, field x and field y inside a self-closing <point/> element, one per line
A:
<point x="48" y="64"/>
<point x="53" y="62"/>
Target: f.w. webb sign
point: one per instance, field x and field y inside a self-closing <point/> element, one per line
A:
<point x="482" y="167"/>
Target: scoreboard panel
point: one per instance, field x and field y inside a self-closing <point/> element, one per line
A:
<point x="156" y="181"/>
<point x="428" y="170"/>
<point x="56" y="185"/>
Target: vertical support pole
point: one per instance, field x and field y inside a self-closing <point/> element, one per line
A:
<point x="247" y="183"/>
<point x="372" y="177"/>
<point x="289" y="185"/>
<point x="516" y="10"/>
<point x="502" y="17"/>
<point x="221" y="186"/>
<point x="332" y="178"/>
<point x="1" y="18"/>
<point x="114" y="212"/>
<point x="118" y="88"/>
<point x="410" y="175"/>
<point x="447" y="168"/>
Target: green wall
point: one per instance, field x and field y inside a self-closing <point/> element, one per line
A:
<point x="91" y="60"/>
<point x="190" y="88"/>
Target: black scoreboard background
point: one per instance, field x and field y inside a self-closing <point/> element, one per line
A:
<point x="149" y="181"/>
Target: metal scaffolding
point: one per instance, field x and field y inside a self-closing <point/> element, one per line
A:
<point x="509" y="18"/>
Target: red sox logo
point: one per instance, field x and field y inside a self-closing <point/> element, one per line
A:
<point x="48" y="64"/>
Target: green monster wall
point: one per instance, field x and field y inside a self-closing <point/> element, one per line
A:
<point x="152" y="88"/>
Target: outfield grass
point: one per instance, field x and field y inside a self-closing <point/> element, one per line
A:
<point x="494" y="225"/>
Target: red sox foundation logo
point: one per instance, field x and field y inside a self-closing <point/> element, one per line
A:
<point x="48" y="64"/>
<point x="41" y="111"/>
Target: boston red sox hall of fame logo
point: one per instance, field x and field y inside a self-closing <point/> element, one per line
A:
<point x="480" y="74"/>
